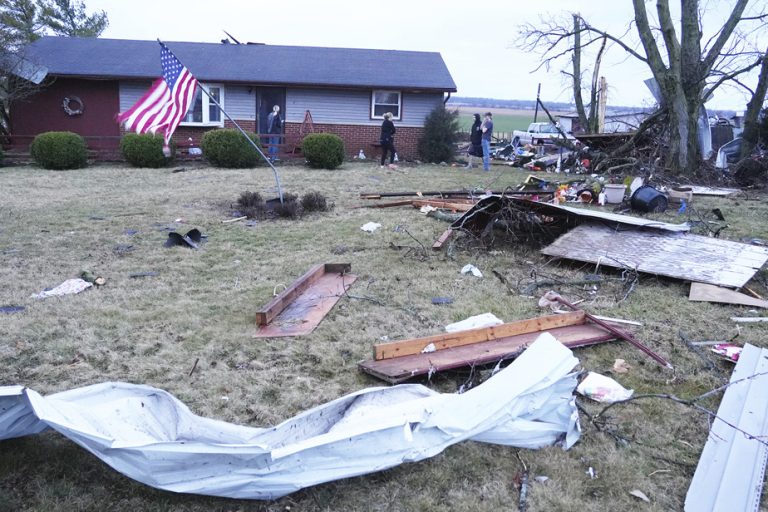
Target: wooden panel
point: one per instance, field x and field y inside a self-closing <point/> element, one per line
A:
<point x="681" y="256"/>
<point x="281" y="301"/>
<point x="710" y="293"/>
<point x="401" y="369"/>
<point x="456" y="205"/>
<point x="309" y="308"/>
<point x="402" y="348"/>
<point x="447" y="234"/>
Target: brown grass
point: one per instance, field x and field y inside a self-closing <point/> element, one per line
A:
<point x="201" y="305"/>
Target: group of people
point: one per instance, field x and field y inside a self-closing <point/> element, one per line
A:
<point x="480" y="141"/>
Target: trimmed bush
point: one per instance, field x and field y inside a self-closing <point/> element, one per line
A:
<point x="59" y="150"/>
<point x="226" y="147"/>
<point x="251" y="204"/>
<point x="144" y="150"/>
<point x="440" y="133"/>
<point x="291" y="207"/>
<point x="323" y="150"/>
<point x="315" y="202"/>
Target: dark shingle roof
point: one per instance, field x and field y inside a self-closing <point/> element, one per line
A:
<point x="263" y="64"/>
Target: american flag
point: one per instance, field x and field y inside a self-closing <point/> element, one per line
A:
<point x="167" y="101"/>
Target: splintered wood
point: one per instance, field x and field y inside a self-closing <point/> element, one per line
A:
<point x="677" y="255"/>
<point x="304" y="304"/>
<point x="399" y="361"/>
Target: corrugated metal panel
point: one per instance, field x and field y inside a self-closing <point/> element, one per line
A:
<point x="731" y="469"/>
<point x="239" y="102"/>
<point x="338" y="106"/>
<point x="131" y="92"/>
<point x="678" y="255"/>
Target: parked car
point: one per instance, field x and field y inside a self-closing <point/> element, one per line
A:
<point x="729" y="153"/>
<point x="537" y="133"/>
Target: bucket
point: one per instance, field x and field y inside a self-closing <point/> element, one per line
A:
<point x="648" y="199"/>
<point x="614" y="194"/>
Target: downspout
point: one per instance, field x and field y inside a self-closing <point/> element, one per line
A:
<point x="445" y="101"/>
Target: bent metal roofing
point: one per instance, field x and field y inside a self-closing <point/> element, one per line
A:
<point x="246" y="63"/>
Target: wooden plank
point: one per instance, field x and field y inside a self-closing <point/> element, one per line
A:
<point x="282" y="300"/>
<point x="457" y="339"/>
<point x="400" y="369"/>
<point x="307" y="310"/>
<point x="448" y="205"/>
<point x="389" y="204"/>
<point x="447" y="234"/>
<point x="677" y="255"/>
<point x="709" y="293"/>
<point x="749" y="319"/>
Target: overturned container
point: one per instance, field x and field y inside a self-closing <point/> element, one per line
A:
<point x="648" y="199"/>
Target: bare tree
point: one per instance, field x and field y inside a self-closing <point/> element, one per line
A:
<point x="687" y="72"/>
<point x="751" y="126"/>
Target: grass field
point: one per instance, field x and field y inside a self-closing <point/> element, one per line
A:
<point x="201" y="306"/>
<point x="505" y="120"/>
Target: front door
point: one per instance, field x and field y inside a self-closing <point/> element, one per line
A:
<point x="266" y="98"/>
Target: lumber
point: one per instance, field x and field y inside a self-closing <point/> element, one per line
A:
<point x="413" y="346"/>
<point x="711" y="293"/>
<point x="447" y="234"/>
<point x="455" y="205"/>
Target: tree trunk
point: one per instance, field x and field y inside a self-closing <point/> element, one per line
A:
<point x="577" y="98"/>
<point x="750" y="134"/>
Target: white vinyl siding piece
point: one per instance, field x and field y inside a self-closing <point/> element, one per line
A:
<point x="731" y="468"/>
<point x="241" y="102"/>
<point x="131" y="92"/>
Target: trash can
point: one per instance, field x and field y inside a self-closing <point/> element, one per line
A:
<point x="614" y="194"/>
<point x="648" y="199"/>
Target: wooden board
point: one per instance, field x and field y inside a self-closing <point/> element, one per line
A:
<point x="447" y="234"/>
<point x="677" y="255"/>
<point x="400" y="369"/>
<point x="303" y="305"/>
<point x="453" y="205"/>
<point x="709" y="293"/>
<point x="710" y="191"/>
<point x="456" y="339"/>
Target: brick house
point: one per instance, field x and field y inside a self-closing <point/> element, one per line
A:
<point x="347" y="91"/>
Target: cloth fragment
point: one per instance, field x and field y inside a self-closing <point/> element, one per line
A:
<point x="603" y="389"/>
<point x="473" y="269"/>
<point x="68" y="287"/>
<point x="474" y="322"/>
<point x="370" y="227"/>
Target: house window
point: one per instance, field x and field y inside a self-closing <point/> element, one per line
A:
<point x="203" y="111"/>
<point x="386" y="101"/>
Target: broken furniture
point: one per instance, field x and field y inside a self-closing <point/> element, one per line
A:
<point x="149" y="435"/>
<point x="731" y="468"/>
<point x="398" y="361"/>
<point x="303" y="305"/>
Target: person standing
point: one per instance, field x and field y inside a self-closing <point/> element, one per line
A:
<point x="487" y="129"/>
<point x="387" y="139"/>
<point x="275" y="129"/>
<point x="475" y="146"/>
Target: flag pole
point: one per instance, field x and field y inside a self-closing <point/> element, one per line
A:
<point x="256" y="146"/>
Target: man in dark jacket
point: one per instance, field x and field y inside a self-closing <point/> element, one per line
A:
<point x="387" y="139"/>
<point x="274" y="128"/>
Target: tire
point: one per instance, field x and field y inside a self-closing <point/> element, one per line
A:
<point x="516" y="141"/>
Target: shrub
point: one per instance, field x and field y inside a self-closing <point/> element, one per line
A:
<point x="290" y="208"/>
<point x="144" y="150"/>
<point x="59" y="150"/>
<point x="315" y="202"/>
<point x="251" y="204"/>
<point x="323" y="150"/>
<point x="227" y="147"/>
<point x="440" y="134"/>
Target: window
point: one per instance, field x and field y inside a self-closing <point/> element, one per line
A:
<point x="385" y="101"/>
<point x="203" y="111"/>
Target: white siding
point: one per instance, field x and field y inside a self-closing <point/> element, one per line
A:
<point x="240" y="102"/>
<point x="336" y="106"/>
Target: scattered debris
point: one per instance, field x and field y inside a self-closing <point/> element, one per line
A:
<point x="603" y="389"/>
<point x="749" y="319"/>
<point x="711" y="293"/>
<point x="68" y="287"/>
<point x="442" y="300"/>
<point x="621" y="366"/>
<point x="399" y="361"/>
<point x="191" y="238"/>
<point x="447" y="234"/>
<point x="727" y="351"/>
<point x="469" y="268"/>
<point x="639" y="494"/>
<point x="300" y="308"/>
<point x="158" y="441"/>
<point x="370" y="227"/>
<point x="236" y="219"/>
<point x="541" y="478"/>
<point x="89" y="276"/>
<point x="712" y="191"/>
<point x="731" y="468"/>
<point x="647" y="199"/>
<point x="475" y="322"/>
<point x="9" y="310"/>
<point x="123" y="249"/>
<point x="149" y="273"/>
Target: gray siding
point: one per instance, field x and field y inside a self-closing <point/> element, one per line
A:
<point x="239" y="103"/>
<point x="337" y="106"/>
<point x="131" y="92"/>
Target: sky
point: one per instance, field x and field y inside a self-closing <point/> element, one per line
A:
<point x="477" y="40"/>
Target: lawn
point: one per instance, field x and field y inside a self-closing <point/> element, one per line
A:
<point x="505" y="120"/>
<point x="113" y="220"/>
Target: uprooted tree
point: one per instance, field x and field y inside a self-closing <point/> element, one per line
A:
<point x="24" y="21"/>
<point x="686" y="71"/>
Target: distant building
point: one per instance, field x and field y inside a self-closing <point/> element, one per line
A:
<point x="614" y="123"/>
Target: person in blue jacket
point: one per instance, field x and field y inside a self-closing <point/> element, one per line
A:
<point x="274" y="128"/>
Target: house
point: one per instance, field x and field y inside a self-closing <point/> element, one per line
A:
<point x="614" y="123"/>
<point x="346" y="91"/>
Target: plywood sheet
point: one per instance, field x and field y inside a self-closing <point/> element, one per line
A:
<point x="709" y="293"/>
<point x="712" y="191"/>
<point x="309" y="308"/>
<point x="677" y="255"/>
<point x="400" y="369"/>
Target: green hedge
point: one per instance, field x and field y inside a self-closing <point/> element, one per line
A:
<point x="323" y="150"/>
<point x="144" y="150"/>
<point x="59" y="150"/>
<point x="227" y="147"/>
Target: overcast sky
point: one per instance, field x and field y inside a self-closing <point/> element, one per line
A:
<point x="476" y="39"/>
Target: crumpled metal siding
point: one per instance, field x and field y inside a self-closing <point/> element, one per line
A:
<point x="149" y="435"/>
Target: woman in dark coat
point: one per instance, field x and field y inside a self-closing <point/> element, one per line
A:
<point x="387" y="139"/>
<point x="475" y="147"/>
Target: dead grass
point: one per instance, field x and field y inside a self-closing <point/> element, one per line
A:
<point x="201" y="305"/>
